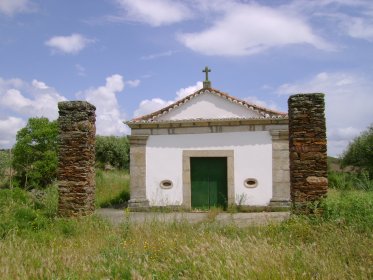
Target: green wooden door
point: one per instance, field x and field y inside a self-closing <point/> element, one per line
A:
<point x="209" y="182"/>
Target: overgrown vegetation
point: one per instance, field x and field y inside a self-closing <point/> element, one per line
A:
<point x="112" y="188"/>
<point x="34" y="156"/>
<point x="5" y="167"/>
<point x="35" y="244"/>
<point x="359" y="153"/>
<point x="350" y="181"/>
<point x="113" y="151"/>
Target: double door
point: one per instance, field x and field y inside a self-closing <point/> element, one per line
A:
<point x="208" y="182"/>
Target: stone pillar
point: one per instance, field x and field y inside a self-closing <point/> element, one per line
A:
<point x="280" y="169"/>
<point x="307" y="147"/>
<point x="76" y="158"/>
<point x="138" y="199"/>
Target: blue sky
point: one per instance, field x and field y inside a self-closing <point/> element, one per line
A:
<point x="131" y="57"/>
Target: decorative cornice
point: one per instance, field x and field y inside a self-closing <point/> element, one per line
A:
<point x="207" y="123"/>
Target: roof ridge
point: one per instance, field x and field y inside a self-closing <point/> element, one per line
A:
<point x="267" y="113"/>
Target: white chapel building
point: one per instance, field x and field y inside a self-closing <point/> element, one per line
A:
<point x="209" y="149"/>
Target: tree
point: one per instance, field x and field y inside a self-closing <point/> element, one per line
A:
<point x="35" y="153"/>
<point x="112" y="150"/>
<point x="360" y="152"/>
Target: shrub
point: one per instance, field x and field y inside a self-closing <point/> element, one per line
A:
<point x="360" y="152"/>
<point x="112" y="150"/>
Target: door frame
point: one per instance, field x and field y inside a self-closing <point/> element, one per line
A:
<point x="187" y="184"/>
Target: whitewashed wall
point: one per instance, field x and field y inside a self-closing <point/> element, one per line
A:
<point x="209" y="106"/>
<point x="252" y="159"/>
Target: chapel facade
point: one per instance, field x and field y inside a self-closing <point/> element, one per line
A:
<point x="209" y="149"/>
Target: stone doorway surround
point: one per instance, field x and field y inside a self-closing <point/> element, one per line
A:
<point x="187" y="185"/>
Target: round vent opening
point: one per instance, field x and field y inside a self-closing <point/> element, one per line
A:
<point x="166" y="184"/>
<point x="251" y="183"/>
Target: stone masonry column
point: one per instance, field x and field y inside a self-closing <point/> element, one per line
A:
<point x="76" y="158"/>
<point x="280" y="169"/>
<point x="138" y="199"/>
<point x="307" y="148"/>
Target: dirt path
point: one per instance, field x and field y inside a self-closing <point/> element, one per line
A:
<point x="116" y="217"/>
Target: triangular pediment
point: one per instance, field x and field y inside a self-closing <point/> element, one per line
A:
<point x="209" y="104"/>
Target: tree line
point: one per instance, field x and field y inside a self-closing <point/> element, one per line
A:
<point x="34" y="158"/>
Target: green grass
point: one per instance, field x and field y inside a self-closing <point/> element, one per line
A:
<point x="35" y="244"/>
<point x="112" y="187"/>
<point x="350" y="181"/>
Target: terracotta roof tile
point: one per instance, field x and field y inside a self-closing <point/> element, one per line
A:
<point x="266" y="113"/>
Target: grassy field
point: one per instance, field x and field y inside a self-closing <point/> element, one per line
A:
<point x="112" y="188"/>
<point x="34" y="244"/>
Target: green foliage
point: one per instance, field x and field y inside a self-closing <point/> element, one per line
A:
<point x="19" y="212"/>
<point x="350" y="208"/>
<point x="336" y="245"/>
<point x="35" y="153"/>
<point x="112" y="188"/>
<point x="350" y="181"/>
<point x="360" y="152"/>
<point x="5" y="164"/>
<point x="341" y="180"/>
<point x="112" y="150"/>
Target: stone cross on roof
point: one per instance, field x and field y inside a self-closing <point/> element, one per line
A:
<point x="206" y="82"/>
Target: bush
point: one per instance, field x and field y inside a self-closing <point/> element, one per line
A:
<point x="360" y="152"/>
<point x="112" y="150"/>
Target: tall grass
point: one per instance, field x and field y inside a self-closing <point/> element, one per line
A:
<point x="89" y="248"/>
<point x="350" y="181"/>
<point x="350" y="208"/>
<point x="112" y="188"/>
<point x="35" y="244"/>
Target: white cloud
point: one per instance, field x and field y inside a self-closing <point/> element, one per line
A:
<point x="8" y="129"/>
<point x="148" y="106"/>
<point x="183" y="92"/>
<point x="68" y="44"/>
<point x="133" y="83"/>
<point x="39" y="85"/>
<point x="348" y="100"/>
<point x="352" y="17"/>
<point x="359" y="28"/>
<point x="158" y="55"/>
<point x="247" y="29"/>
<point x="154" y="12"/>
<point x="11" y="7"/>
<point x="109" y="119"/>
<point x="20" y="100"/>
<point x="29" y="100"/>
